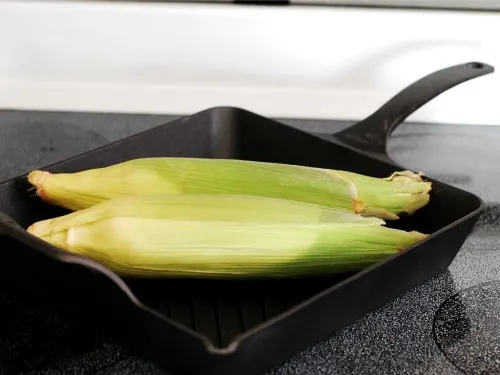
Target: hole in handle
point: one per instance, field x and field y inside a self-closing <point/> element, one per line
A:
<point x="476" y="65"/>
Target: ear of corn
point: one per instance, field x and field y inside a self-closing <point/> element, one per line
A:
<point x="222" y="236"/>
<point x="385" y="198"/>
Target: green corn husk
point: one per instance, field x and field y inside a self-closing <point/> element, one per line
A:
<point x="385" y="198"/>
<point x="222" y="236"/>
<point x="401" y="192"/>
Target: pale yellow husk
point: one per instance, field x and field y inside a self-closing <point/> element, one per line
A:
<point x="386" y="198"/>
<point x="222" y="236"/>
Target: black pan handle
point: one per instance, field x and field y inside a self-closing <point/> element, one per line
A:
<point x="371" y="134"/>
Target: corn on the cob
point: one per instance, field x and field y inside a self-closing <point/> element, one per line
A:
<point x="385" y="198"/>
<point x="222" y="236"/>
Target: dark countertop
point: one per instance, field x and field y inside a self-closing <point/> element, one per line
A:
<point x="449" y="325"/>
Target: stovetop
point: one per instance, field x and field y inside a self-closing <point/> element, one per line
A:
<point x="449" y="325"/>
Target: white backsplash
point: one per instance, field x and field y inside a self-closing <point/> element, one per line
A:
<point x="287" y="61"/>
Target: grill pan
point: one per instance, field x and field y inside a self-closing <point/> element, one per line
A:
<point x="241" y="327"/>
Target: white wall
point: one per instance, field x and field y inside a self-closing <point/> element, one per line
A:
<point x="307" y="62"/>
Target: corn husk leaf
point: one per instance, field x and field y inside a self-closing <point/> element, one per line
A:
<point x="385" y="198"/>
<point x="222" y="236"/>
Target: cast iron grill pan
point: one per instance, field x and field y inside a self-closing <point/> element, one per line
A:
<point x="241" y="327"/>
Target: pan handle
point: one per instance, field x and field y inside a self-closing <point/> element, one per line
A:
<point x="371" y="134"/>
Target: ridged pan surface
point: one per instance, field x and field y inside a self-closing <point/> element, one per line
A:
<point x="241" y="327"/>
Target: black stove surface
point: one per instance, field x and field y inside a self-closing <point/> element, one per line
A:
<point x="449" y="325"/>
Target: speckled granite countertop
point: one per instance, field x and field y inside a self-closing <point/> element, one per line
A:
<point x="449" y="325"/>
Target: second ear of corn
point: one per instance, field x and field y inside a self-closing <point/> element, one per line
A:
<point x="386" y="198"/>
<point x="223" y="236"/>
